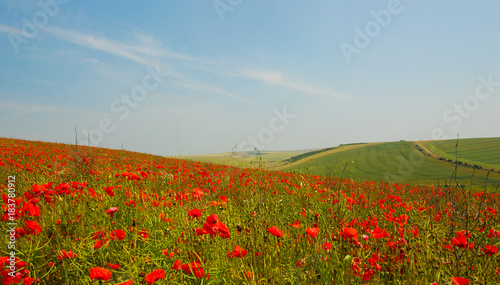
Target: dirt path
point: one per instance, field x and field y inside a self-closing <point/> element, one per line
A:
<point x="426" y="150"/>
<point x="420" y="146"/>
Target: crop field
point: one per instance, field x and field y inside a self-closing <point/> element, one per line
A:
<point x="483" y="151"/>
<point x="396" y="162"/>
<point x="79" y="215"/>
<point x="245" y="159"/>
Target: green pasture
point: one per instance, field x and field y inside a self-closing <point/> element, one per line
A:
<point x="478" y="151"/>
<point x="246" y="159"/>
<point x="393" y="162"/>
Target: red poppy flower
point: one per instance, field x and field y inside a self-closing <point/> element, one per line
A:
<point x="28" y="280"/>
<point x="63" y="254"/>
<point x="238" y="252"/>
<point x="223" y="230"/>
<point x="38" y="189"/>
<point x="100" y="234"/>
<point x="118" y="234"/>
<point x="208" y="230"/>
<point x="100" y="273"/>
<point x="459" y="241"/>
<point x="109" y="191"/>
<point x="100" y="243"/>
<point x="460" y="281"/>
<point x="113" y="266"/>
<point x="249" y="275"/>
<point x="349" y="233"/>
<point x="195" y="268"/>
<point x="194" y="213"/>
<point x="126" y="282"/>
<point x="490" y="250"/>
<point x="155" y="275"/>
<point x="33" y="225"/>
<point x="213" y="219"/>
<point x="177" y="265"/>
<point x="144" y="234"/>
<point x="198" y="193"/>
<point x="296" y="224"/>
<point x="31" y="208"/>
<point x="327" y="246"/>
<point x="111" y="211"/>
<point x="275" y="231"/>
<point x="379" y="233"/>
<point x="312" y="232"/>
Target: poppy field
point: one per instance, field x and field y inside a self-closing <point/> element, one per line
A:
<point x="81" y="215"/>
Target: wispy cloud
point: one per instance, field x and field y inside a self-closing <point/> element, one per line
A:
<point x="279" y="79"/>
<point x="147" y="52"/>
<point x="99" y="43"/>
<point x="10" y="30"/>
<point x="217" y="90"/>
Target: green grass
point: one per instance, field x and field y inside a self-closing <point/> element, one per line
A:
<point x="478" y="151"/>
<point x="245" y="159"/>
<point x="392" y="162"/>
<point x="174" y="215"/>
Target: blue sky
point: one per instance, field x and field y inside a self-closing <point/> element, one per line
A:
<point x="192" y="77"/>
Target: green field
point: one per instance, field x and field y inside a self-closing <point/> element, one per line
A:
<point x="246" y="159"/>
<point x="392" y="162"/>
<point x="427" y="162"/>
<point x="483" y="152"/>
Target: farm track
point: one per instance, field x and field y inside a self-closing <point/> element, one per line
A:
<point x="420" y="147"/>
<point x="282" y="166"/>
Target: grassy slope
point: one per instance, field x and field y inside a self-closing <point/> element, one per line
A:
<point x="244" y="159"/>
<point x="482" y="151"/>
<point x="394" y="161"/>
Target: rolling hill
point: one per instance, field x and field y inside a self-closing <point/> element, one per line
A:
<point x="408" y="162"/>
<point x="419" y="162"/>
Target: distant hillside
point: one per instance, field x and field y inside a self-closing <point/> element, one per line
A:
<point x="483" y="152"/>
<point x="405" y="162"/>
<point x="420" y="162"/>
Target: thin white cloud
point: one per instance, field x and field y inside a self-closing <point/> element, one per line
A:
<point x="146" y="53"/>
<point x="10" y="30"/>
<point x="278" y="79"/>
<point x="149" y="51"/>
<point x="217" y="90"/>
<point x="98" y="43"/>
<point x="271" y="77"/>
<point x="138" y="54"/>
